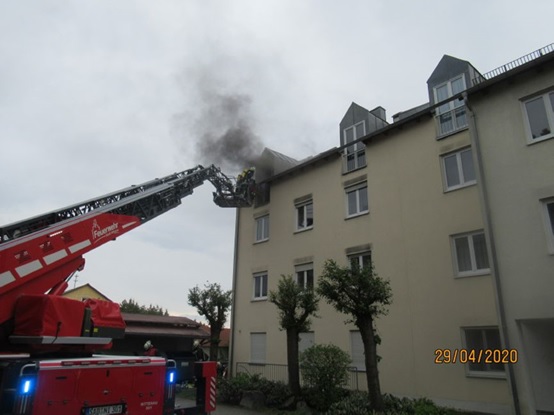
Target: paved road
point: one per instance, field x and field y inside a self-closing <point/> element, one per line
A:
<point x="222" y="409"/>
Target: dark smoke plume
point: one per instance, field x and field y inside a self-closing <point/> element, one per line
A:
<point x="236" y="148"/>
<point x="225" y="136"/>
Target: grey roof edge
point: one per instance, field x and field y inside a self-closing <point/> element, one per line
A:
<point x="426" y="111"/>
<point x="305" y="163"/>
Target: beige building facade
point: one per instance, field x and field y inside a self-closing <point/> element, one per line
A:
<point x="512" y="122"/>
<point x="408" y="197"/>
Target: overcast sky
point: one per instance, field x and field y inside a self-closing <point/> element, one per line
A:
<point x="98" y="95"/>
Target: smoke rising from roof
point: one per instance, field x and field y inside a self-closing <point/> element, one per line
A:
<point x="227" y="139"/>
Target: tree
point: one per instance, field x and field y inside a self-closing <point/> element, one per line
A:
<point x="362" y="294"/>
<point x="295" y="305"/>
<point x="131" y="306"/>
<point x="213" y="303"/>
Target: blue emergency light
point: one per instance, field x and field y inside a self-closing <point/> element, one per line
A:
<point x="26" y="386"/>
<point x="171" y="376"/>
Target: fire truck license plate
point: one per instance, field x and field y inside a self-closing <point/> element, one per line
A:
<point x="104" y="410"/>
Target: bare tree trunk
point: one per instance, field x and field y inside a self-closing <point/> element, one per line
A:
<point x="214" y="343"/>
<point x="372" y="373"/>
<point x="292" y="361"/>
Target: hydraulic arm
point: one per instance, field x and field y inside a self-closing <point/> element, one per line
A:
<point x="39" y="254"/>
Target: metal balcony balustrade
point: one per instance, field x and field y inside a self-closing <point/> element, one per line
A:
<point x="514" y="64"/>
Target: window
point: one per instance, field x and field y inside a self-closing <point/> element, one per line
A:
<point x="361" y="260"/>
<point x="458" y="169"/>
<point x="451" y="116"/>
<point x="356" y="200"/>
<point x="539" y="113"/>
<point x="470" y="253"/>
<point x="306" y="341"/>
<point x="260" y="286"/>
<point x="305" y="216"/>
<point x="549" y="221"/>
<point x="357" y="350"/>
<point x="305" y="275"/>
<point x="354" y="155"/>
<point x="482" y="339"/>
<point x="262" y="228"/>
<point x="258" y="343"/>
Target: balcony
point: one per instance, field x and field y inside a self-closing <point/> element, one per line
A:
<point x="451" y="121"/>
<point x="354" y="158"/>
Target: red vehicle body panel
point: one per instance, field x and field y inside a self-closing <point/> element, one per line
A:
<point x="67" y="386"/>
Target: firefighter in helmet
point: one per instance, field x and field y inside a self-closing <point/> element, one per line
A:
<point x="149" y="349"/>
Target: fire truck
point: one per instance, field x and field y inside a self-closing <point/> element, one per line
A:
<point x="51" y="347"/>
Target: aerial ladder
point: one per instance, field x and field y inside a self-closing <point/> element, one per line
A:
<point x="48" y="344"/>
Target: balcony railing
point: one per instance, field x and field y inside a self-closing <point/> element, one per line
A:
<point x="451" y="121"/>
<point x="354" y="158"/>
<point x="514" y="64"/>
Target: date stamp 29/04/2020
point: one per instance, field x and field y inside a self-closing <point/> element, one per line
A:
<point x="489" y="356"/>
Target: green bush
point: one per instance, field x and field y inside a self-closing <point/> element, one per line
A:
<point x="421" y="406"/>
<point x="231" y="390"/>
<point x="356" y="403"/>
<point x="324" y="369"/>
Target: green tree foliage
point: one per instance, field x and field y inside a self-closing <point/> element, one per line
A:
<point x="296" y="305"/>
<point x="213" y="303"/>
<point x="325" y="370"/>
<point x="131" y="306"/>
<point x="363" y="295"/>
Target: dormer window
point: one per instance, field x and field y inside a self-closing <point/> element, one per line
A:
<point x="354" y="154"/>
<point x="451" y="116"/>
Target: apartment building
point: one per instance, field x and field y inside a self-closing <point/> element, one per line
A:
<point x="415" y="199"/>
<point x="511" y="119"/>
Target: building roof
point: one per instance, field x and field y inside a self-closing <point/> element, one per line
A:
<point x="403" y="118"/>
<point x="223" y="337"/>
<point x="87" y="286"/>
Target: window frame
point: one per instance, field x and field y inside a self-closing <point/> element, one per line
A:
<point x="356" y="188"/>
<point x="548" y="105"/>
<point x="264" y="280"/>
<point x="258" y="356"/>
<point x="305" y="340"/>
<point x="359" y="258"/>
<point x="357" y="351"/>
<point x="304" y="270"/>
<point x="548" y="216"/>
<point x="303" y="207"/>
<point x="356" y="150"/>
<point x="488" y="371"/>
<point x="264" y="221"/>
<point x="474" y="270"/>
<point x="460" y="168"/>
<point x="452" y="107"/>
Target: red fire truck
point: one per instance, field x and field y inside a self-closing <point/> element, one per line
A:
<point x="51" y="360"/>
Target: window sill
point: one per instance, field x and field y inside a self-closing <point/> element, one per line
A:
<point x="462" y="186"/>
<point x="468" y="274"/>
<point x="303" y="230"/>
<point x="357" y="215"/>
<point x="531" y="141"/>
<point x="345" y="172"/>
<point x="261" y="241"/>
<point x="258" y="299"/>
<point x="453" y="132"/>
